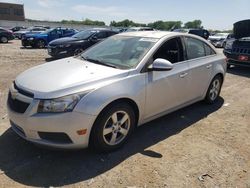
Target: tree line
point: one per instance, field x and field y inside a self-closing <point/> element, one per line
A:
<point x="160" y="25"/>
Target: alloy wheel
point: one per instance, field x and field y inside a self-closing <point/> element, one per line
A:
<point x="116" y="128"/>
<point x="215" y="89"/>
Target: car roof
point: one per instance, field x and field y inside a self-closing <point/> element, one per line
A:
<point x="151" y="34"/>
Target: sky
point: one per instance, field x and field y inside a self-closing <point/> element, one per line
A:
<point x="214" y="14"/>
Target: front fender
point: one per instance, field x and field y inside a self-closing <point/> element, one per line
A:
<point x="131" y="87"/>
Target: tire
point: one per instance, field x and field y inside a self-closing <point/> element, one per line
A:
<point x="4" y="39"/>
<point x="223" y="45"/>
<point x="78" y="51"/>
<point x="40" y="44"/>
<point x="109" y="134"/>
<point x="214" y="89"/>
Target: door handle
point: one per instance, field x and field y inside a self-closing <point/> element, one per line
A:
<point x="183" y="75"/>
<point x="209" y="66"/>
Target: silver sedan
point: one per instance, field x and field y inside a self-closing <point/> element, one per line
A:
<point x="97" y="98"/>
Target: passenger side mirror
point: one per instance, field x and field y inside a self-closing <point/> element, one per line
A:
<point x="160" y="65"/>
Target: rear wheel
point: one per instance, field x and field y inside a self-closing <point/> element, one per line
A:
<point x="40" y="44"/>
<point x="214" y="89"/>
<point x="112" y="128"/>
<point x="4" y="39"/>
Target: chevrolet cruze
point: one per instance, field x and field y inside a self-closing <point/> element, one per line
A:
<point x="97" y="99"/>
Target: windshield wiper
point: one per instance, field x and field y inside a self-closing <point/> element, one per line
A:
<point x="99" y="62"/>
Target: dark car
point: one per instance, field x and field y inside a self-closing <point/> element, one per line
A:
<point x="5" y="35"/>
<point x="17" y="28"/>
<point x="40" y="40"/>
<point x="200" y="32"/>
<point x="74" y="45"/>
<point x="237" y="50"/>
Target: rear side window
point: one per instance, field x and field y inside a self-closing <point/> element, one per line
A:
<point x="209" y="50"/>
<point x="67" y="31"/>
<point x="195" y="48"/>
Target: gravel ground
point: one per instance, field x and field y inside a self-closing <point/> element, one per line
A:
<point x="198" y="146"/>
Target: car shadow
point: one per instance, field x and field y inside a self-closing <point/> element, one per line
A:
<point x="33" y="166"/>
<point x="240" y="71"/>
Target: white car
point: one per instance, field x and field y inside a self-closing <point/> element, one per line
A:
<point x="99" y="97"/>
<point x="219" y="39"/>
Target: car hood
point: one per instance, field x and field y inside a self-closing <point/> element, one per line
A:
<point x="242" y="29"/>
<point x="64" y="40"/>
<point x="66" y="76"/>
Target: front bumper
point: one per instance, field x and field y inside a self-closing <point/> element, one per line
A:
<point x="218" y="44"/>
<point x="27" y="42"/>
<point x="34" y="127"/>
<point x="56" y="51"/>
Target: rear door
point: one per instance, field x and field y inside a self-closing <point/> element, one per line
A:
<point x="200" y="58"/>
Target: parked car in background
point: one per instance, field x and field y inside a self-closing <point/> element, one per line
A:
<point x="199" y="32"/>
<point x="17" y="28"/>
<point x="40" y="40"/>
<point x="96" y="99"/>
<point x="131" y="29"/>
<point x="219" y="39"/>
<point x="19" y="34"/>
<point x="237" y="49"/>
<point x="74" y="45"/>
<point x="6" y="35"/>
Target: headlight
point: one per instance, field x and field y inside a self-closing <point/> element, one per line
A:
<point x="31" y="38"/>
<point x="62" y="104"/>
<point x="229" y="45"/>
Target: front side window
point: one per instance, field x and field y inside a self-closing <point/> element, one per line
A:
<point x="171" y="50"/>
<point x="123" y="52"/>
<point x="195" y="48"/>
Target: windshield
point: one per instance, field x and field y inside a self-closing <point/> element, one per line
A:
<point x="123" y="52"/>
<point x="84" y="34"/>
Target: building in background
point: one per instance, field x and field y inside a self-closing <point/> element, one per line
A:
<point x="11" y="12"/>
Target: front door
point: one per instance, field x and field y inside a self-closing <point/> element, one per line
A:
<point x="168" y="89"/>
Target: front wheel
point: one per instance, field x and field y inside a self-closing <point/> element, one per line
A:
<point x="214" y="89"/>
<point x="4" y="39"/>
<point x="112" y="128"/>
<point x="40" y="44"/>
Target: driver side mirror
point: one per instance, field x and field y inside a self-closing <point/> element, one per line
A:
<point x="160" y="65"/>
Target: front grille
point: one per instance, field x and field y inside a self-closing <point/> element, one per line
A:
<point x="60" y="138"/>
<point x="17" y="129"/>
<point x="239" y="50"/>
<point x="17" y="105"/>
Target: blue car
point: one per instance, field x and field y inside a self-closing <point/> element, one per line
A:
<point x="40" y="40"/>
